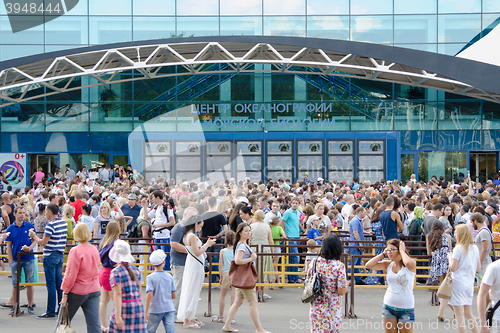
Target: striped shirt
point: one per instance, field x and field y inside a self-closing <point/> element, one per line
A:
<point x="57" y="230"/>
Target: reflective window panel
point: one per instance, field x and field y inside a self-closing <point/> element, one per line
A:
<point x="374" y="29"/>
<point x="290" y="7"/>
<point x="334" y="27"/>
<point x="370" y="7"/>
<point x="285" y="26"/>
<point x="326" y="7"/>
<point x="415" y="29"/>
<point x="409" y="7"/>
<point x="197" y="26"/>
<point x="111" y="7"/>
<point x="197" y="7"/>
<point x="245" y="8"/>
<point x="154" y="7"/>
<point x="104" y="30"/>
<point x="458" y="28"/>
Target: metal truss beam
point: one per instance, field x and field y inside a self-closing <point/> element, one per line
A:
<point x="146" y="61"/>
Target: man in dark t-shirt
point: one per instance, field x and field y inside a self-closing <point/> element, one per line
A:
<point x="214" y="225"/>
<point x="434" y="216"/>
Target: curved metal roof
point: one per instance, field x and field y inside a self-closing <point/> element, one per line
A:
<point x="290" y="55"/>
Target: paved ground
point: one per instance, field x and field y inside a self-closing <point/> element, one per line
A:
<point x="283" y="313"/>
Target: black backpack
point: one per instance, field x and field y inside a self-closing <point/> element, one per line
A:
<point x="416" y="227"/>
<point x="132" y="233"/>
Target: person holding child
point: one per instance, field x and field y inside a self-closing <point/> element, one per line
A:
<point x="160" y="289"/>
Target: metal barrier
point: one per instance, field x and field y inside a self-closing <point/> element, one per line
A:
<point x="284" y="256"/>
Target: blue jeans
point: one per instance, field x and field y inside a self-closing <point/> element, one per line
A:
<point x="165" y="249"/>
<point x="29" y="271"/>
<point x="215" y="259"/>
<point x="402" y="315"/>
<point x="90" y="306"/>
<point x="293" y="260"/>
<point x="168" y="319"/>
<point x="52" y="266"/>
<point x="357" y="262"/>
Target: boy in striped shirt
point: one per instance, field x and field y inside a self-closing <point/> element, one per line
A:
<point x="54" y="242"/>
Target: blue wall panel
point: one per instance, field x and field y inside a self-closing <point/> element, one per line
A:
<point x="109" y="141"/>
<point x="23" y="142"/>
<point x="392" y="159"/>
<point x="419" y="140"/>
<point x="459" y="140"/>
<point x="67" y="142"/>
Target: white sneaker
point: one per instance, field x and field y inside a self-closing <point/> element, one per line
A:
<point x="267" y="296"/>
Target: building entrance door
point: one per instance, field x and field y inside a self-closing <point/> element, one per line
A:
<point x="47" y="162"/>
<point x="483" y="166"/>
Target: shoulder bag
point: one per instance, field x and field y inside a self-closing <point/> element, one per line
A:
<point x="444" y="290"/>
<point x="64" y="325"/>
<point x="489" y="314"/>
<point x="312" y="286"/>
<point x="243" y="276"/>
<point x="493" y="255"/>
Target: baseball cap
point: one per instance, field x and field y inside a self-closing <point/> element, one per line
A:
<point x="157" y="257"/>
<point x="320" y="179"/>
<point x="132" y="196"/>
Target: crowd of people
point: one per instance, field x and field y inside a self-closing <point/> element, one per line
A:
<point x="178" y="223"/>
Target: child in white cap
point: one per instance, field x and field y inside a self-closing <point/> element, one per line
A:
<point x="160" y="288"/>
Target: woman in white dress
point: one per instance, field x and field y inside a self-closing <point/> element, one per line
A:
<point x="464" y="264"/>
<point x="194" y="272"/>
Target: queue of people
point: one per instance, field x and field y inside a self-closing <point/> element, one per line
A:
<point x="244" y="217"/>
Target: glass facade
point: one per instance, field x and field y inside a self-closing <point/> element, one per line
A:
<point x="442" y="26"/>
<point x="436" y="131"/>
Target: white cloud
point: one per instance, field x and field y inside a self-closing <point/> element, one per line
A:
<point x="367" y="23"/>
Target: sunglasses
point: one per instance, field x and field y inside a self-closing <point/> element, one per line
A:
<point x="390" y="250"/>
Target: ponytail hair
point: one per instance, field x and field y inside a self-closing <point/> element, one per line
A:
<point x="130" y="271"/>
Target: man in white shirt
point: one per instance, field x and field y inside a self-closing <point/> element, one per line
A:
<point x="45" y="201"/>
<point x="60" y="188"/>
<point x="104" y="174"/>
<point x="489" y="290"/>
<point x="275" y="211"/>
<point x="163" y="218"/>
<point x="347" y="210"/>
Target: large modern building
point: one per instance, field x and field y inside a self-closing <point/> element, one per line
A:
<point x="257" y="88"/>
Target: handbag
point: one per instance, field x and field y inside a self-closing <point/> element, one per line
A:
<point x="64" y="322"/>
<point x="312" y="286"/>
<point x="444" y="290"/>
<point x="243" y="276"/>
<point x="490" y="312"/>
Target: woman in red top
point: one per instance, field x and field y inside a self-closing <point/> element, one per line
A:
<point x="80" y="285"/>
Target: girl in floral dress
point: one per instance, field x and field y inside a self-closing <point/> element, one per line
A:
<point x="325" y="312"/>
